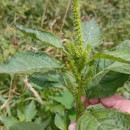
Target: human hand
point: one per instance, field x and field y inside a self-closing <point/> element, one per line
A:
<point x="116" y="102"/>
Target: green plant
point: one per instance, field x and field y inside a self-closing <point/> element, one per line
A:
<point x="82" y="70"/>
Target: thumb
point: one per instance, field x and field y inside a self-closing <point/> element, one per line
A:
<point x="72" y="126"/>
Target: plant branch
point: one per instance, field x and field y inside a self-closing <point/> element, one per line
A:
<point x="67" y="9"/>
<point x="36" y="94"/>
<point x="11" y="91"/>
<point x="44" y="13"/>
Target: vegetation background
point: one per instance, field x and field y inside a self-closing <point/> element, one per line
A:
<point x="55" y="16"/>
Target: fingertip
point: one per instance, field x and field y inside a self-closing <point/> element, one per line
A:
<point x="72" y="126"/>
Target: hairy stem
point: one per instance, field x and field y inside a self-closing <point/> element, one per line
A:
<point x="79" y="44"/>
<point x="79" y="106"/>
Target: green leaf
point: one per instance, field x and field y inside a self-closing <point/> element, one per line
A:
<point x="104" y="119"/>
<point x="125" y="45"/>
<point x="57" y="109"/>
<point x="45" y="37"/>
<point x="20" y="115"/>
<point x="46" y="122"/>
<point x="60" y="122"/>
<point x="125" y="90"/>
<point x="72" y="114"/>
<point x="50" y="79"/>
<point x="121" y="67"/>
<point x="65" y="98"/>
<point x="8" y="121"/>
<point x="26" y="126"/>
<point x="30" y="111"/>
<point x="91" y="33"/>
<point x="107" y="82"/>
<point x="28" y="62"/>
<point x="110" y="75"/>
<point x="121" y="56"/>
<point x="107" y="85"/>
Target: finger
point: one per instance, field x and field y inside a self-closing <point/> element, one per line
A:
<point x="118" y="102"/>
<point x="72" y="126"/>
<point x="111" y="101"/>
<point x="123" y="105"/>
<point x="94" y="101"/>
<point x="86" y="102"/>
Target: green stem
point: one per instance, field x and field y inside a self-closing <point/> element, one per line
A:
<point x="79" y="42"/>
<point x="79" y="105"/>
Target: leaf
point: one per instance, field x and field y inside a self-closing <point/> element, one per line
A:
<point x="8" y="121"/>
<point x="45" y="37"/>
<point x="104" y="119"/>
<point x="59" y="122"/>
<point x="46" y="122"/>
<point x="30" y="111"/>
<point x="28" y="62"/>
<point x="107" y="83"/>
<point x="50" y="79"/>
<point x="57" y="109"/>
<point x="91" y="33"/>
<point x="26" y="126"/>
<point x="125" y="90"/>
<point x="121" y="67"/>
<point x="121" y="56"/>
<point x="125" y="45"/>
<point x="20" y="115"/>
<point x="72" y="114"/>
<point x="65" y="98"/>
<point x="110" y="75"/>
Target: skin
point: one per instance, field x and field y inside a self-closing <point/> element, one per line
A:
<point x="116" y="101"/>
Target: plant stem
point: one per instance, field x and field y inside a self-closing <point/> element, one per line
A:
<point x="79" y="105"/>
<point x="79" y="43"/>
<point x="79" y="57"/>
